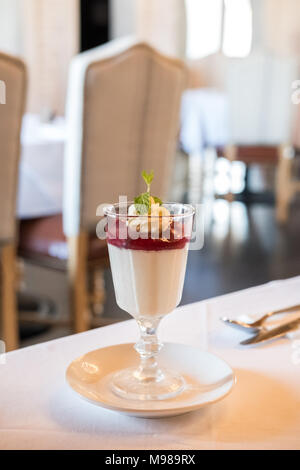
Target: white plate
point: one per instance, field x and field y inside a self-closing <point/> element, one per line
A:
<point x="208" y="379"/>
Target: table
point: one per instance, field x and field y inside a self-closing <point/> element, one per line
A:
<point x="39" y="411"/>
<point x="41" y="167"/>
<point x="204" y="120"/>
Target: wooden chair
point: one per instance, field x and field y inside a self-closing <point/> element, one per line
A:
<point x="13" y="75"/>
<point x="123" y="116"/>
<point x="261" y="111"/>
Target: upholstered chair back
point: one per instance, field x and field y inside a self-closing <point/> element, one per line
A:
<point x="12" y="103"/>
<point x="259" y="89"/>
<point x="123" y="116"/>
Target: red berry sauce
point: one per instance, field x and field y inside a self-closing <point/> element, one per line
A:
<point x="169" y="240"/>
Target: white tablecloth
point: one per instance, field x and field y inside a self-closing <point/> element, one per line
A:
<point x="41" y="167"/>
<point x="204" y="119"/>
<point x="39" y="411"/>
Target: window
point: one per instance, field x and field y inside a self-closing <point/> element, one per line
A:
<point x="204" y="26"/>
<point x="214" y="25"/>
<point x="237" y="28"/>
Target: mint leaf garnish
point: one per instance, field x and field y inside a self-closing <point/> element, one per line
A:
<point x="157" y="200"/>
<point x="148" y="178"/>
<point x="142" y="203"/>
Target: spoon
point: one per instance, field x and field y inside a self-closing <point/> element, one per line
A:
<point x="255" y="326"/>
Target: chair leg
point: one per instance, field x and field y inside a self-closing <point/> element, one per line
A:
<point x="97" y="297"/>
<point x="208" y="174"/>
<point x="195" y="177"/>
<point x="8" y="307"/>
<point x="230" y="153"/>
<point x="77" y="278"/>
<point x="284" y="191"/>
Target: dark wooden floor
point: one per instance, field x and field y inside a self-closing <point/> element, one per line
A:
<point x="243" y="247"/>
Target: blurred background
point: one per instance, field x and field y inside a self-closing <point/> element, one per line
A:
<point x="234" y="145"/>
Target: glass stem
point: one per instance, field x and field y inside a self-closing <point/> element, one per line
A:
<point x="148" y="348"/>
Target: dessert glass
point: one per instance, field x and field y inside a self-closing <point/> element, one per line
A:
<point x="148" y="255"/>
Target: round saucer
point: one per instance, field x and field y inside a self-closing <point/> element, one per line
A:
<point x="208" y="379"/>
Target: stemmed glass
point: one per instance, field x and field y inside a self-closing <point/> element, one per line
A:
<point x="148" y="256"/>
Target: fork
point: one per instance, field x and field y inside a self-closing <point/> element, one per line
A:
<point x="255" y="326"/>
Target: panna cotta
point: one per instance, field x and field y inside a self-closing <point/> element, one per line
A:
<point x="148" y="245"/>
<point x="148" y="275"/>
<point x="148" y="248"/>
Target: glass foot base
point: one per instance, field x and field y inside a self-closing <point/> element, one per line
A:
<point x="128" y="384"/>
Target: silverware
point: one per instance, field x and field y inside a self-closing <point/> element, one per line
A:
<point x="265" y="335"/>
<point x="255" y="326"/>
<point x="240" y="325"/>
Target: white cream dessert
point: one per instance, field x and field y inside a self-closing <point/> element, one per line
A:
<point x="148" y="271"/>
<point x="146" y="282"/>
